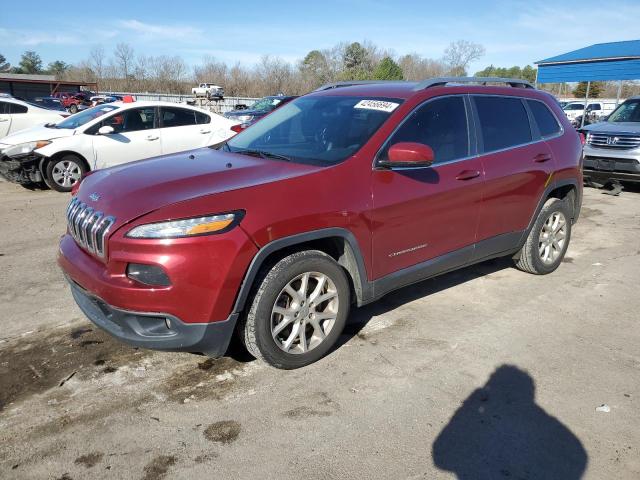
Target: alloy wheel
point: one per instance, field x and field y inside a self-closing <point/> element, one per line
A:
<point x="552" y="238"/>
<point x="66" y="173"/>
<point x="304" y="312"/>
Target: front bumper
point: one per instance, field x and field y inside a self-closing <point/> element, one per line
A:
<point x="608" y="164"/>
<point x="158" y="331"/>
<point x="23" y="170"/>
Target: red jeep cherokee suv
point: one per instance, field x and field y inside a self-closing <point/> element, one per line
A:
<point x="333" y="200"/>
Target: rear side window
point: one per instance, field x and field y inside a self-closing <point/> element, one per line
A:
<point x="202" y="118"/>
<point x="17" y="108"/>
<point x="177" y="117"/>
<point x="4" y="107"/>
<point x="441" y="124"/>
<point x="503" y="121"/>
<point x="547" y="123"/>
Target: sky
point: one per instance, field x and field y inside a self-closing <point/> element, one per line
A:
<point x="512" y="32"/>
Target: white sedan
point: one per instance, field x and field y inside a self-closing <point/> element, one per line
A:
<point x="104" y="136"/>
<point x="17" y="115"/>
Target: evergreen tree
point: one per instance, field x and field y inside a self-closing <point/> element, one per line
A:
<point x="387" y="69"/>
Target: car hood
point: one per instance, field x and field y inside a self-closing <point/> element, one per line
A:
<point x="137" y="188"/>
<point x="36" y="133"/>
<point x="614" y="127"/>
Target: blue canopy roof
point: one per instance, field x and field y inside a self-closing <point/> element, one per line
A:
<point x="602" y="61"/>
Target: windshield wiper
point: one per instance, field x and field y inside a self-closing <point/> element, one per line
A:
<point x="263" y="154"/>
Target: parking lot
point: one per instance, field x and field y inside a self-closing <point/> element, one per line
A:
<point x="507" y="367"/>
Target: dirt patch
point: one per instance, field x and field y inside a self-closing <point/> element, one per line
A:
<point x="89" y="460"/>
<point x="587" y="212"/>
<point x="205" y="458"/>
<point x="36" y="363"/>
<point x="158" y="467"/>
<point x="209" y="379"/>
<point x="224" y="432"/>
<point x="567" y="260"/>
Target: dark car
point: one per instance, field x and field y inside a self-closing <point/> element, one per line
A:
<point x="264" y="106"/>
<point x="52" y="103"/>
<point x="332" y="201"/>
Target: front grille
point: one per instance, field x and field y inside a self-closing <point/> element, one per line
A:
<point x="88" y="227"/>
<point x="621" y="142"/>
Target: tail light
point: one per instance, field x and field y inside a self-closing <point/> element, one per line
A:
<point x="238" y="128"/>
<point x="128" y="99"/>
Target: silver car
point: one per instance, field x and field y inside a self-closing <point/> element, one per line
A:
<point x="612" y="148"/>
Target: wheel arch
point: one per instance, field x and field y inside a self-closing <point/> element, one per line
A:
<point x="338" y="243"/>
<point x="45" y="161"/>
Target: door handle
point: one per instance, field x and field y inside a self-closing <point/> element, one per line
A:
<point x="205" y="131"/>
<point x="467" y="174"/>
<point x="4" y="119"/>
<point x="151" y="138"/>
<point x="542" y="157"/>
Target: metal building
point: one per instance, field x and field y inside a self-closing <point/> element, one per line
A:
<point x="30" y="87"/>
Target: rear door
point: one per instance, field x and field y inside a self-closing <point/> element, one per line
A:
<point x="5" y="119"/>
<point x="517" y="163"/>
<point x="21" y="118"/>
<point x="135" y="137"/>
<point x="427" y="212"/>
<point x="183" y="129"/>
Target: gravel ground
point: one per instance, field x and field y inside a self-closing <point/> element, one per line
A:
<point x="484" y="373"/>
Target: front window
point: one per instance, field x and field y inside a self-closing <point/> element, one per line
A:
<point x="574" y="106"/>
<point x="316" y="129"/>
<point x="629" y="111"/>
<point x="79" y="119"/>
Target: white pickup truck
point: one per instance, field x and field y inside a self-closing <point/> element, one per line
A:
<point x="208" y="90"/>
<point x="598" y="110"/>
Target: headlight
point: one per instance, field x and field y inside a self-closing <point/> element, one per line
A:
<point x="187" y="227"/>
<point x="24" y="148"/>
<point x="245" y="118"/>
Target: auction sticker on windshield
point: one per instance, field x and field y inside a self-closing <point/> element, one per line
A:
<point x="377" y="105"/>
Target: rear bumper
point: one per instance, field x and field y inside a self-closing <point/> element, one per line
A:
<point x="158" y="331"/>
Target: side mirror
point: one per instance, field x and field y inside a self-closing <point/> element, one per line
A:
<point x="409" y="154"/>
<point x="106" y="130"/>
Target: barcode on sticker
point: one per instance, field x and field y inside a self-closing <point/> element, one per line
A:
<point x="377" y="105"/>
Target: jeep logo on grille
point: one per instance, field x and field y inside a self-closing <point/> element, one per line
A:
<point x="612" y="140"/>
<point x="94" y="196"/>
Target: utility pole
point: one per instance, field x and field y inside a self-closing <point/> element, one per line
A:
<point x="586" y="101"/>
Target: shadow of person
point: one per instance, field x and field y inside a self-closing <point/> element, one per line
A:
<point x="499" y="432"/>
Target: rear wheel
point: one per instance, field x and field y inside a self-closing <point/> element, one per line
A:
<point x="548" y="240"/>
<point x="64" y="172"/>
<point x="73" y="108"/>
<point x="298" y="311"/>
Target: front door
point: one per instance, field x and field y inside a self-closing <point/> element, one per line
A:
<point x="423" y="213"/>
<point x="135" y="137"/>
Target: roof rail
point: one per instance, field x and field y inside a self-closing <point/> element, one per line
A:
<point x="350" y="83"/>
<point x="442" y="81"/>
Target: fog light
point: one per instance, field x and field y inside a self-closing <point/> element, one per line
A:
<point x="152" y="275"/>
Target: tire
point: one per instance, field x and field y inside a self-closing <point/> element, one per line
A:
<point x="261" y="329"/>
<point x="64" y="172"/>
<point x="548" y="239"/>
<point x="73" y="108"/>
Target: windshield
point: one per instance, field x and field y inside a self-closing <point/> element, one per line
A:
<point x="316" y="129"/>
<point x="265" y="104"/>
<point x="79" y="119"/>
<point x="629" y="111"/>
<point x="574" y="106"/>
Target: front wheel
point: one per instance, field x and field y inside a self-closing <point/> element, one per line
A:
<point x="548" y="239"/>
<point x="64" y="172"/>
<point x="73" y="108"/>
<point x="298" y="311"/>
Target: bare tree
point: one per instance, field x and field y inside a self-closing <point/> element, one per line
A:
<point x="415" y="67"/>
<point x="125" y="56"/>
<point x="459" y="54"/>
<point x="97" y="61"/>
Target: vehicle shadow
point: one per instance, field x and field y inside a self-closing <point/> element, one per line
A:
<point x="359" y="317"/>
<point x="500" y="432"/>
